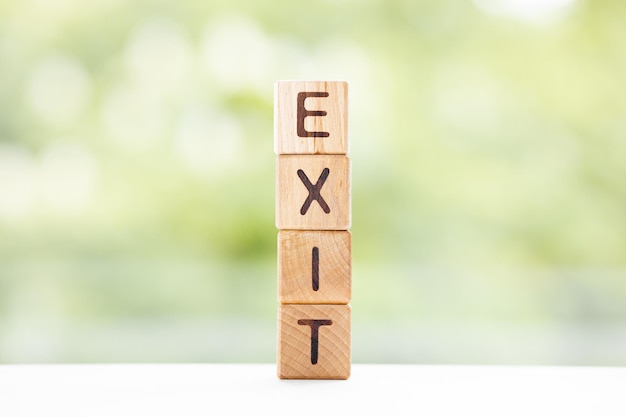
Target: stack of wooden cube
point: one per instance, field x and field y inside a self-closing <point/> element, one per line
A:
<point x="313" y="215"/>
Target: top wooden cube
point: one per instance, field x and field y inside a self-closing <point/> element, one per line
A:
<point x="311" y="117"/>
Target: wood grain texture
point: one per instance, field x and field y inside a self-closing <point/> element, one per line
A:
<point x="300" y="127"/>
<point x="298" y="177"/>
<point x="314" y="267"/>
<point x="295" y="345"/>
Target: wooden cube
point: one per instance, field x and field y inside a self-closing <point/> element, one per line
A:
<point x="314" y="267"/>
<point x="311" y="117"/>
<point x="314" y="341"/>
<point x="313" y="192"/>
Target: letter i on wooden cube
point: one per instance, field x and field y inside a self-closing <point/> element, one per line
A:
<point x="314" y="267"/>
<point x="313" y="214"/>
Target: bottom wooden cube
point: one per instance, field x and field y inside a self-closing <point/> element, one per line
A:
<point x="314" y="341"/>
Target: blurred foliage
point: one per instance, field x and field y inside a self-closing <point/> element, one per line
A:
<point x="137" y="167"/>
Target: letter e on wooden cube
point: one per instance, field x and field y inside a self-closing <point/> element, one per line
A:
<point x="311" y="117"/>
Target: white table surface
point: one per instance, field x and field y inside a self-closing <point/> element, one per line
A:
<point x="247" y="390"/>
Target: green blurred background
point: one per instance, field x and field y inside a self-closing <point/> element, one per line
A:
<point x="137" y="177"/>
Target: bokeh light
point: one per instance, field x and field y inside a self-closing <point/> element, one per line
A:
<point x="137" y="177"/>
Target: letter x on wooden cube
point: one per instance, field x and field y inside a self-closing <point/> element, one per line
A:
<point x="313" y="192"/>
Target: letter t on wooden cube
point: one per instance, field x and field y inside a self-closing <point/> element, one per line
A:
<point x="314" y="341"/>
<point x="311" y="117"/>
